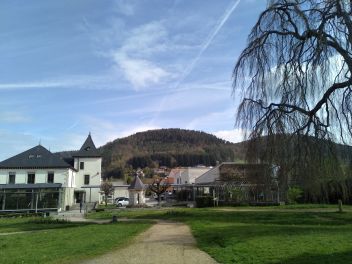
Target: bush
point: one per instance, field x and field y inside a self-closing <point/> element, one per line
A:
<point x="204" y="201"/>
<point x="294" y="194"/>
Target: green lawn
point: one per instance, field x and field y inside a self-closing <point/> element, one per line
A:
<point x="20" y="224"/>
<point x="267" y="235"/>
<point x="62" y="242"/>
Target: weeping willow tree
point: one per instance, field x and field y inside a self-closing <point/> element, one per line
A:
<point x="295" y="75"/>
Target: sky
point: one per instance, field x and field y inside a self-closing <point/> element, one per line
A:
<point x="117" y="67"/>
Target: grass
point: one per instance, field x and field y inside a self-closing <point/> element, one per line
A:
<point x="294" y="234"/>
<point x="108" y="206"/>
<point x="62" y="242"/>
<point x="19" y="224"/>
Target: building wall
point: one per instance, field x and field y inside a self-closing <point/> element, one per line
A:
<point x="121" y="190"/>
<point x="92" y="167"/>
<point x="136" y="197"/>
<point x="209" y="176"/>
<point x="175" y="174"/>
<point x="63" y="176"/>
<point x="187" y="175"/>
<point x="67" y="198"/>
<point x="191" y="174"/>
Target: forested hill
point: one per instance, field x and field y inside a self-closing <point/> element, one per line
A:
<point x="166" y="147"/>
<point x="175" y="147"/>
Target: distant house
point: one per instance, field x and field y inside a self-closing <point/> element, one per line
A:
<point x="37" y="179"/>
<point x="250" y="182"/>
<point x="187" y="175"/>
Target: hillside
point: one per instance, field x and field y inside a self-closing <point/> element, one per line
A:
<point x="178" y="147"/>
<point x="166" y="147"/>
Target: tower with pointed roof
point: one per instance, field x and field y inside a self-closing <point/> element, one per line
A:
<point x="136" y="191"/>
<point x="87" y="162"/>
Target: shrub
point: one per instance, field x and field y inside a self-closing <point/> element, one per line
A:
<point x="204" y="201"/>
<point x="294" y="194"/>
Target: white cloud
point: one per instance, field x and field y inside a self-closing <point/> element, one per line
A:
<point x="136" y="129"/>
<point x="146" y="40"/>
<point x="135" y="57"/>
<point x="97" y="82"/>
<point x="235" y="135"/>
<point x="31" y="85"/>
<point x="139" y="72"/>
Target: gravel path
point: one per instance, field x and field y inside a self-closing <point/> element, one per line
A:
<point x="164" y="242"/>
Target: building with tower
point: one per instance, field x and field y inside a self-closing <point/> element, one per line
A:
<point x="39" y="180"/>
<point x="136" y="191"/>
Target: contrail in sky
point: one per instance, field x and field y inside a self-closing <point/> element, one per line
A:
<point x="207" y="42"/>
<point x="204" y="46"/>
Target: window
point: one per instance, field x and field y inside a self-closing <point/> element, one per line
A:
<point x="12" y="177"/>
<point x="50" y="177"/>
<point x="86" y="179"/>
<point x="31" y="178"/>
<point x="81" y="165"/>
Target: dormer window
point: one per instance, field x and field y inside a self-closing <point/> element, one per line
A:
<point x="31" y="156"/>
<point x="87" y="148"/>
<point x="39" y="156"/>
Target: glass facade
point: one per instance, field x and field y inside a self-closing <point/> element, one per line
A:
<point x="30" y="199"/>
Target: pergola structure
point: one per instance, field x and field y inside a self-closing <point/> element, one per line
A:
<point x="235" y="183"/>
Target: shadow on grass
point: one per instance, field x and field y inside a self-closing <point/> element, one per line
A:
<point x="336" y="258"/>
<point x="230" y="235"/>
<point x="34" y="224"/>
<point x="257" y="217"/>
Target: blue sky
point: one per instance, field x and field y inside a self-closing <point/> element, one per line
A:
<point x="118" y="67"/>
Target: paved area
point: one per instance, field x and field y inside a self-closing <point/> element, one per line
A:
<point x="164" y="242"/>
<point x="77" y="216"/>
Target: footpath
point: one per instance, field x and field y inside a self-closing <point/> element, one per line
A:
<point x="164" y="242"/>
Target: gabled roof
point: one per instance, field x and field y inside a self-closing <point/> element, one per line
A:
<point x="136" y="184"/>
<point x="88" y="149"/>
<point x="37" y="157"/>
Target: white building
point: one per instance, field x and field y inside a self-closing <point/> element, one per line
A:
<point x="37" y="179"/>
<point x="187" y="175"/>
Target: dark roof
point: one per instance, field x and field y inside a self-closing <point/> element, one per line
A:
<point x="136" y="184"/>
<point x="37" y="157"/>
<point x="88" y="149"/>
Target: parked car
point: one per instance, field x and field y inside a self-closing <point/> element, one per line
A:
<point x="122" y="201"/>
